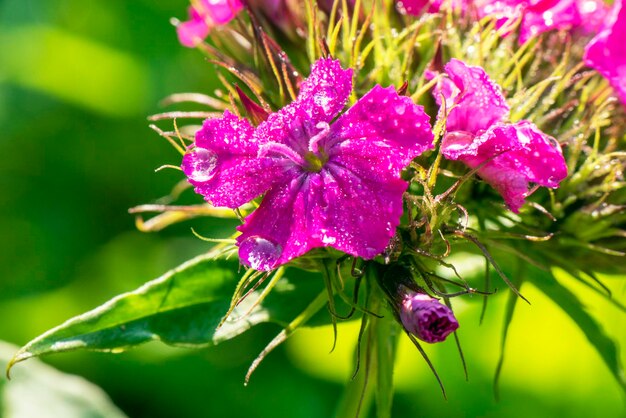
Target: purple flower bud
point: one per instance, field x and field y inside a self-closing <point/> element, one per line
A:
<point x="426" y="317"/>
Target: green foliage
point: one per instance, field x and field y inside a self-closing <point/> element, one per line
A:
<point x="38" y="390"/>
<point x="582" y="233"/>
<point x="183" y="307"/>
<point x="576" y="310"/>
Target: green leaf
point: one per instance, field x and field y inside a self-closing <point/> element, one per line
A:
<point x="38" y="390"/>
<point x="508" y="318"/>
<point x="568" y="301"/>
<point x="182" y="308"/>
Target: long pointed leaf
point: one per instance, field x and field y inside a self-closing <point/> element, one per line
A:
<point x="183" y="308"/>
<point x="573" y="307"/>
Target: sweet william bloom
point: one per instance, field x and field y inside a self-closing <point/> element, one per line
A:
<point x="606" y="53"/>
<point x="508" y="156"/>
<point x="426" y="317"/>
<point x="418" y="7"/>
<point x="325" y="184"/>
<point x="203" y="15"/>
<point x="539" y="16"/>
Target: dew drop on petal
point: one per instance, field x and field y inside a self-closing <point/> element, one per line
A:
<point x="371" y="252"/>
<point x="203" y="165"/>
<point x="259" y="253"/>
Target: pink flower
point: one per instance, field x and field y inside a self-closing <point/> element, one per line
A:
<point x="204" y="15"/>
<point x="324" y="183"/>
<point x="606" y="53"/>
<point x="510" y="156"/>
<point x="539" y="16"/>
<point x="418" y="7"/>
<point x="426" y="317"/>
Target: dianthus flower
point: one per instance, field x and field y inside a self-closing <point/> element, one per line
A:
<point x="607" y="51"/>
<point x="537" y="16"/>
<point x="426" y="317"/>
<point x="325" y="184"/>
<point x="417" y="7"/>
<point x="203" y="15"/>
<point x="510" y="156"/>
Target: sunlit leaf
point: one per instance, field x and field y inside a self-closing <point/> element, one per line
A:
<point x="573" y="307"/>
<point x="38" y="390"/>
<point x="183" y="308"/>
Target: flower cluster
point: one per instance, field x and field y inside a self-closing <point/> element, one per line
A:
<point x="535" y="17"/>
<point x="337" y="184"/>
<point x="346" y="150"/>
<point x="376" y="143"/>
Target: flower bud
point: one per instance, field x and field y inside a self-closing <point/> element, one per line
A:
<point x="426" y="317"/>
<point x="420" y="315"/>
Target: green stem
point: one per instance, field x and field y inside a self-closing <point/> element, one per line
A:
<point x="378" y="357"/>
<point x="387" y="342"/>
<point x="317" y="304"/>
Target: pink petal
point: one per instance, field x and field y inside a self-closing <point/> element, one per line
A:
<point x="517" y="154"/>
<point x="593" y="14"/>
<point x="290" y="126"/>
<point x="277" y="231"/>
<point x="322" y="96"/>
<point x="606" y="53"/>
<point x="354" y="202"/>
<point x="358" y="215"/>
<point x="476" y="102"/>
<point x="385" y="121"/>
<point x="221" y="11"/>
<point x="419" y="7"/>
<point x="545" y="15"/>
<point x="193" y="31"/>
<point x="325" y="91"/>
<point x="505" y="12"/>
<point x="223" y="165"/>
<point x="333" y="208"/>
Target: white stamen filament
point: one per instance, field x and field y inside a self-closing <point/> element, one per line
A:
<point x="314" y="141"/>
<point x="283" y="150"/>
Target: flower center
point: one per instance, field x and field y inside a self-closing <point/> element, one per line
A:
<point x="315" y="162"/>
<point x="312" y="160"/>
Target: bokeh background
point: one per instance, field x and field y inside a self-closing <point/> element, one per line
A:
<point x="77" y="80"/>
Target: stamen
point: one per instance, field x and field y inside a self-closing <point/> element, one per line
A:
<point x="283" y="150"/>
<point x="314" y="141"/>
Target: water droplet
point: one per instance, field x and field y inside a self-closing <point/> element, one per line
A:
<point x="371" y="252"/>
<point x="203" y="165"/>
<point x="259" y="253"/>
<point x="400" y="108"/>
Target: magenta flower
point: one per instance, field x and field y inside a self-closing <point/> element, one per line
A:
<point x="427" y="318"/>
<point x="325" y="184"/>
<point x="204" y="15"/>
<point x="510" y="156"/>
<point x="539" y="16"/>
<point x="418" y="7"/>
<point x="606" y="53"/>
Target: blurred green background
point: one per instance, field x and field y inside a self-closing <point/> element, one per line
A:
<point x="77" y="80"/>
